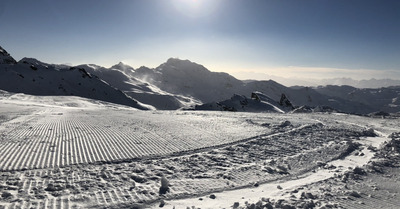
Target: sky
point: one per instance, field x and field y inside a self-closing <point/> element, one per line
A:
<point x="289" y="38"/>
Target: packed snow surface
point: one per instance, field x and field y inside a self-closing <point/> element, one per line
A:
<point x="71" y="152"/>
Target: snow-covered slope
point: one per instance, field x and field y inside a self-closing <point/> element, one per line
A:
<point x="75" y="102"/>
<point x="31" y="76"/>
<point x="121" y="76"/>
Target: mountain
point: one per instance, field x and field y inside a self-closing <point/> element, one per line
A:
<point x="186" y="78"/>
<point x="312" y="82"/>
<point x="122" y="77"/>
<point x="305" y="96"/>
<point x="371" y="83"/>
<point x="181" y="84"/>
<point x="383" y="99"/>
<point x="31" y="76"/>
<point x="190" y="79"/>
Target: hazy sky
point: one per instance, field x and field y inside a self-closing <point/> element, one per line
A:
<point x="321" y="38"/>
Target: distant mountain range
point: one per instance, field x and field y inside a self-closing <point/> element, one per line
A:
<point x="182" y="84"/>
<point x="293" y="81"/>
<point x="371" y="83"/>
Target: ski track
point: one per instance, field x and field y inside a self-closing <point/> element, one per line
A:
<point x="58" y="138"/>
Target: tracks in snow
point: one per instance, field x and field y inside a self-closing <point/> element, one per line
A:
<point x="58" y="139"/>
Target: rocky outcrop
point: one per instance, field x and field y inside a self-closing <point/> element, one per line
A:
<point x="5" y="57"/>
<point x="285" y="102"/>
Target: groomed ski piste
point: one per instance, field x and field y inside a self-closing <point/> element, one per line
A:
<point x="71" y="152"/>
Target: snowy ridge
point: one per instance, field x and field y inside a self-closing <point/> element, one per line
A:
<point x="122" y="77"/>
<point x="180" y="84"/>
<point x="31" y="76"/>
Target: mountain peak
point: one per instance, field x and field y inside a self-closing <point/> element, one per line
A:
<point x="182" y="65"/>
<point x="5" y="57"/>
<point x="180" y="62"/>
<point x="122" y="66"/>
<point x="174" y="60"/>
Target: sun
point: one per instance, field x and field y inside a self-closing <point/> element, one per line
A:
<point x="195" y="8"/>
<point x="189" y="4"/>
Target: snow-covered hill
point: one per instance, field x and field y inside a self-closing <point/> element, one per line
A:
<point x="31" y="76"/>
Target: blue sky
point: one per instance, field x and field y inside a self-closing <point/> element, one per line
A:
<point x="346" y="38"/>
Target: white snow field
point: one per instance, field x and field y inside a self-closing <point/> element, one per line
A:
<point x="72" y="152"/>
<point x="60" y="131"/>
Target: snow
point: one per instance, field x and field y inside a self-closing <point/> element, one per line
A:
<point x="281" y="189"/>
<point x="122" y="77"/>
<point x="148" y="128"/>
<point x="89" y="153"/>
<point x="31" y="76"/>
<point x="74" y="136"/>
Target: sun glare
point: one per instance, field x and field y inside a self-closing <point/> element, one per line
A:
<point x="186" y="4"/>
<point x="195" y="8"/>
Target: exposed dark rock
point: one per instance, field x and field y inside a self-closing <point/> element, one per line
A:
<point x="285" y="102"/>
